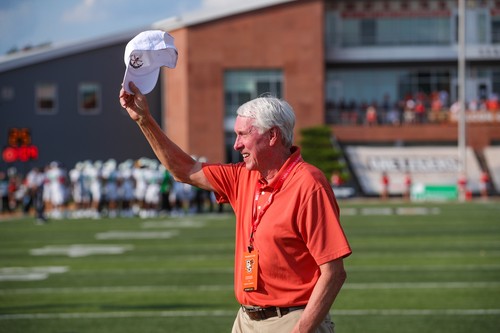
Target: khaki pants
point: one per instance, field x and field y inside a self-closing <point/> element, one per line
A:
<point x="285" y="324"/>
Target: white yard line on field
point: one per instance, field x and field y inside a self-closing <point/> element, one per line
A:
<point x="422" y="285"/>
<point x="231" y="313"/>
<point x="173" y="224"/>
<point x="409" y="268"/>
<point x="128" y="289"/>
<point x="218" y="288"/>
<point x="119" y="234"/>
<point x="104" y="315"/>
<point x="433" y="254"/>
<point x="416" y="312"/>
<point x="370" y="211"/>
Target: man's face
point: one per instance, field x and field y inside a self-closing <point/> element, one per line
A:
<point x="253" y="146"/>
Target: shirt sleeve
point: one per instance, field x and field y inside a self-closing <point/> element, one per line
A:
<point x="223" y="178"/>
<point x="321" y="229"/>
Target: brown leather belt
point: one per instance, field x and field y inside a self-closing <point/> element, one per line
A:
<point x="258" y="313"/>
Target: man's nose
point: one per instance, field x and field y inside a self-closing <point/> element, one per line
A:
<point x="237" y="145"/>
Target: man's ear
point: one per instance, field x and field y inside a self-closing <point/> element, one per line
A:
<point x="274" y="135"/>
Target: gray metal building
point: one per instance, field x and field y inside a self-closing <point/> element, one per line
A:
<point x="66" y="99"/>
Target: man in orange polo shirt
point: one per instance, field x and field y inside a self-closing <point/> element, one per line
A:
<point x="289" y="242"/>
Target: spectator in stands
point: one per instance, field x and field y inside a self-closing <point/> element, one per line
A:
<point x="394" y="116"/>
<point x="473" y="105"/>
<point x="384" y="109"/>
<point x="353" y="112"/>
<point x="371" y="115"/>
<point x="436" y="109"/>
<point x="409" y="112"/>
<point x="455" y="109"/>
<point x="420" y="112"/>
<point x="444" y="97"/>
<point x="492" y="103"/>
<point x="331" y="112"/>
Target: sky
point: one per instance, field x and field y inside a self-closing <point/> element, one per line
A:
<point x="34" y="22"/>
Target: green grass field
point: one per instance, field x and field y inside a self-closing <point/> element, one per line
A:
<point x="431" y="267"/>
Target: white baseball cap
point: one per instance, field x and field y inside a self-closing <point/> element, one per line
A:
<point x="144" y="55"/>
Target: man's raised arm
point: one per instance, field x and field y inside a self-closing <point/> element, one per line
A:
<point x="180" y="164"/>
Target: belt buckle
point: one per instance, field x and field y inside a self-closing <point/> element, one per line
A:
<point x="255" y="312"/>
<point x="251" y="308"/>
<point x="259" y="313"/>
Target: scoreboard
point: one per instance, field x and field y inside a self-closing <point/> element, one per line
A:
<point x="19" y="146"/>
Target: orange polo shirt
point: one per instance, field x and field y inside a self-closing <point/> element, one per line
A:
<point x="298" y="232"/>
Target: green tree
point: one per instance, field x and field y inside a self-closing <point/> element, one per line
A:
<point x="319" y="148"/>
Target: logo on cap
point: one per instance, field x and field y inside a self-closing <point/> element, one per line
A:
<point x="135" y="61"/>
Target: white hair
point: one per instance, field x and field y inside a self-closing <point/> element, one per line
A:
<point x="270" y="112"/>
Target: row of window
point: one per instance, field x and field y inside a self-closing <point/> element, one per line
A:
<point x="47" y="98"/>
<point x="482" y="27"/>
<point x="396" y="31"/>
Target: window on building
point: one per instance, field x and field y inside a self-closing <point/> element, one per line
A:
<point x="387" y="31"/>
<point x="240" y="86"/>
<point x="89" y="98"/>
<point x="332" y="33"/>
<point x="482" y="29"/>
<point x="46" y="98"/>
<point x="7" y="93"/>
<point x="496" y="81"/>
<point x="349" y="33"/>
<point x="495" y="30"/>
<point x="368" y="32"/>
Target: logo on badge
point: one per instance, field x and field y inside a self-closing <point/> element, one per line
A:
<point x="249" y="265"/>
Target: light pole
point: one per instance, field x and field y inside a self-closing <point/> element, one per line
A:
<point x="462" y="135"/>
